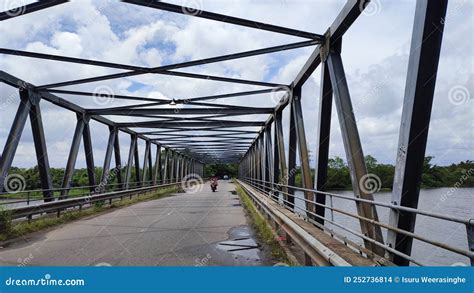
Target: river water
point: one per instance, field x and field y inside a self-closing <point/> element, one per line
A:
<point x="454" y="202"/>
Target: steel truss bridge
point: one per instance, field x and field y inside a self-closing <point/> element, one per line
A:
<point x="264" y="170"/>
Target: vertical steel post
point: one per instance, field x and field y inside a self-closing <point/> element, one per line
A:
<point x="157" y="173"/>
<point x="137" y="164"/>
<point x="89" y="153"/>
<point x="353" y="149"/>
<point x="71" y="162"/>
<point x="14" y="135"/>
<point x="131" y="150"/>
<point x="40" y="147"/>
<point x="276" y="162"/>
<point x="269" y="158"/>
<point x="172" y="164"/>
<point x="108" y="157"/>
<point x="323" y="134"/>
<point x="419" y="90"/>
<point x="166" y="167"/>
<point x="145" y="162"/>
<point x="303" y="151"/>
<point x="283" y="172"/>
<point x="291" y="157"/>
<point x="118" y="161"/>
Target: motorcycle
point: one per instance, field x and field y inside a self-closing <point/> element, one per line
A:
<point x="214" y="185"/>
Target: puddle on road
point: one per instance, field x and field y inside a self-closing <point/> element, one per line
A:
<point x="241" y="244"/>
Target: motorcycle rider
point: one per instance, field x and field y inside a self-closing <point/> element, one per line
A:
<point x="214" y="182"/>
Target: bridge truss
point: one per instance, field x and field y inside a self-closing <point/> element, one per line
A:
<point x="260" y="153"/>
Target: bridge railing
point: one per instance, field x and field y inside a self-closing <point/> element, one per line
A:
<point x="276" y="193"/>
<point x="29" y="211"/>
<point x="36" y="195"/>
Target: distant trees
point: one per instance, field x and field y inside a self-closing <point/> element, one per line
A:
<point x="433" y="175"/>
<point x="458" y="175"/>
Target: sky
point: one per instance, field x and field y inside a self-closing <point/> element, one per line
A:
<point x="374" y="52"/>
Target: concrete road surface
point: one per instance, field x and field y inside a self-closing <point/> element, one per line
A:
<point x="196" y="228"/>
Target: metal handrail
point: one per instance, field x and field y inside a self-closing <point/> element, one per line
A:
<point x="40" y="198"/>
<point x="29" y="211"/>
<point x="466" y="253"/>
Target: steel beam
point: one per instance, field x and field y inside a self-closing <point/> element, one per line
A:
<point x="323" y="135"/>
<point x="131" y="151"/>
<point x="292" y="148"/>
<point x="353" y="149"/>
<point x="29" y="8"/>
<point x="71" y="161"/>
<point x="118" y="161"/>
<point x="137" y="165"/>
<point x="108" y="157"/>
<point x="14" y="136"/>
<point x="41" y="148"/>
<point x="419" y="90"/>
<point x="225" y="18"/>
<point x="89" y="153"/>
<point x="303" y="151"/>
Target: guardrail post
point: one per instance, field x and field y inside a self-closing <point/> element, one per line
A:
<point x="71" y="162"/>
<point x="128" y="171"/>
<point x="353" y="149"/>
<point x="303" y="151"/>
<point x="323" y="135"/>
<point x="14" y="135"/>
<point x="107" y="159"/>
<point x="40" y="147"/>
<point x="420" y="85"/>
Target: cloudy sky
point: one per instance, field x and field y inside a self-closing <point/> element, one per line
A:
<point x="375" y="56"/>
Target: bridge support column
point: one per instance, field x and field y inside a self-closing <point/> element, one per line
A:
<point x="291" y="157"/>
<point x="71" y="162"/>
<point x="323" y="134"/>
<point x="420" y="85"/>
<point x="14" y="136"/>
<point x="128" y="172"/>
<point x="157" y="173"/>
<point x="137" y="164"/>
<point x="280" y="146"/>
<point x="166" y="167"/>
<point x="353" y="149"/>
<point x="108" y="157"/>
<point x="146" y="162"/>
<point x="118" y="161"/>
<point x="172" y="165"/>
<point x="268" y="158"/>
<point x="89" y="152"/>
<point x="40" y="148"/>
<point x="303" y="151"/>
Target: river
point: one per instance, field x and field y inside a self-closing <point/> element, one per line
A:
<point x="458" y="202"/>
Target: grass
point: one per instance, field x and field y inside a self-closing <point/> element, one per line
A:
<point x="264" y="231"/>
<point x="11" y="231"/>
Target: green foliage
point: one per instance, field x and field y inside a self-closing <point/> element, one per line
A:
<point x="220" y="170"/>
<point x="5" y="220"/>
<point x="338" y="177"/>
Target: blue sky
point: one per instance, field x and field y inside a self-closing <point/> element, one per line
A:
<point x="375" y="56"/>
